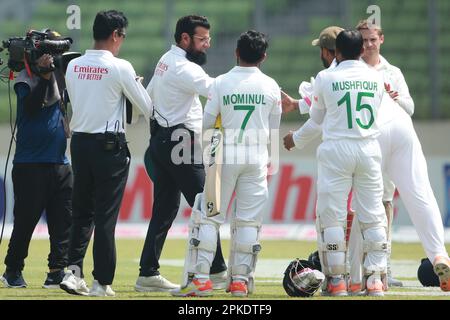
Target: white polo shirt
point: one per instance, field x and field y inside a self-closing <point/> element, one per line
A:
<point x="246" y="98"/>
<point x="346" y="99"/>
<point x="175" y="88"/>
<point x="98" y="83"/>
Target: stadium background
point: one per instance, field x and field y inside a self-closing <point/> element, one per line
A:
<point x="417" y="39"/>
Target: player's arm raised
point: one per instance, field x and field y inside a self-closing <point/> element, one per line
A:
<point x="404" y="98"/>
<point x="212" y="107"/>
<point x="134" y="90"/>
<point x="312" y="128"/>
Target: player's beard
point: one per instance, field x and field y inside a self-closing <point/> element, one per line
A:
<point x="324" y="61"/>
<point x="193" y="55"/>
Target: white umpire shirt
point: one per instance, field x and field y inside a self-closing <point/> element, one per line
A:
<point x="98" y="83"/>
<point x="175" y="88"/>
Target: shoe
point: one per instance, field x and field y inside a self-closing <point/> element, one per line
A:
<point x="154" y="284"/>
<point x="74" y="285"/>
<point x="374" y="286"/>
<point x="219" y="280"/>
<point x="336" y="287"/>
<point x="392" y="282"/>
<point x="195" y="288"/>
<point x="13" y="279"/>
<point x="441" y="267"/>
<point x="98" y="290"/>
<point x="54" y="279"/>
<point x="238" y="288"/>
<point x="354" y="289"/>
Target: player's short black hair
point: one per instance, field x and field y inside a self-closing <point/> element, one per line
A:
<point x="106" y="22"/>
<point x="349" y="43"/>
<point x="252" y="46"/>
<point x="188" y="24"/>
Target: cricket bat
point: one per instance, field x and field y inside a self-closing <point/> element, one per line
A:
<point x="214" y="171"/>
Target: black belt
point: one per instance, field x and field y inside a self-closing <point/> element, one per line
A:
<point x="98" y="136"/>
<point x="154" y="125"/>
<point x="173" y="128"/>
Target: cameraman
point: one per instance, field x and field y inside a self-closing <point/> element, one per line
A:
<point x="41" y="174"/>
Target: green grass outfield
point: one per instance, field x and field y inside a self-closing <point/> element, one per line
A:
<point x="274" y="257"/>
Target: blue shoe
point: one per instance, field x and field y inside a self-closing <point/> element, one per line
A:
<point x="13" y="279"/>
<point x="54" y="279"/>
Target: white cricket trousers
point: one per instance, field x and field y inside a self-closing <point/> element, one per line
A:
<point x="343" y="164"/>
<point x="249" y="182"/>
<point x="404" y="163"/>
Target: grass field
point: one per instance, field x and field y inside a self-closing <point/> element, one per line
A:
<point x="271" y="264"/>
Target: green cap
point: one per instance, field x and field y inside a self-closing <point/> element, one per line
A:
<point x="327" y="38"/>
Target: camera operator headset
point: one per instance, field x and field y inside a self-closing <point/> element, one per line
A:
<point x="41" y="174"/>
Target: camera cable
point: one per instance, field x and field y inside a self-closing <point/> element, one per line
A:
<point x="13" y="131"/>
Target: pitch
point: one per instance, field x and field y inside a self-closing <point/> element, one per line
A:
<point x="272" y="261"/>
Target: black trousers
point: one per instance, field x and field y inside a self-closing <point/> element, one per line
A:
<point x="100" y="177"/>
<point x="39" y="187"/>
<point x="170" y="180"/>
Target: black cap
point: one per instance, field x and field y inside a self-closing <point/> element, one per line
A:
<point x="426" y="274"/>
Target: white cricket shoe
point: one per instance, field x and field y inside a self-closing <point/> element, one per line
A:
<point x="392" y="282"/>
<point x="374" y="286"/>
<point x="219" y="280"/>
<point x="99" y="290"/>
<point x="74" y="285"/>
<point x="154" y="284"/>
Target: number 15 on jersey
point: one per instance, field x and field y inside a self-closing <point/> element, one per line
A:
<point x="346" y="99"/>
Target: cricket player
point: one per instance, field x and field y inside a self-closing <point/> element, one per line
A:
<point x="346" y="100"/>
<point x="407" y="145"/>
<point x="249" y="103"/>
<point x="403" y="163"/>
<point x="327" y="44"/>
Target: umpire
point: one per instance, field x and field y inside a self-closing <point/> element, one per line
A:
<point x="97" y="84"/>
<point x="174" y="89"/>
